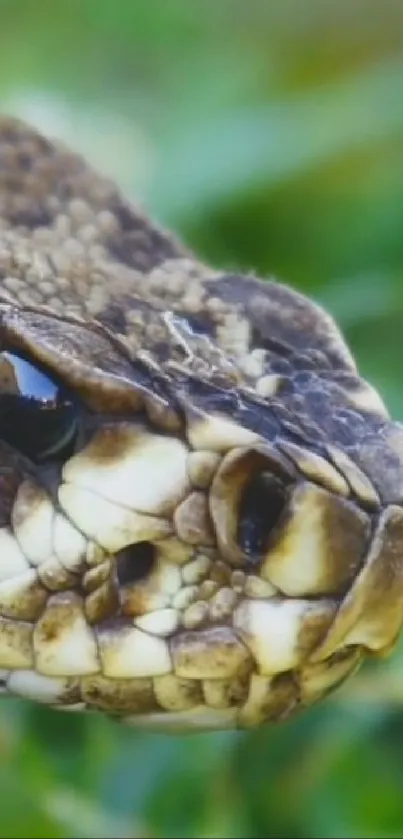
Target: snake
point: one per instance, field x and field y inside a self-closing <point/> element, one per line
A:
<point x="201" y="499"/>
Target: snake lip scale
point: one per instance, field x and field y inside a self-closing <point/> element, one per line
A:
<point x="201" y="520"/>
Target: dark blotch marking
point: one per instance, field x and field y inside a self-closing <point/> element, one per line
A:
<point x="10" y="480"/>
<point x="31" y="218"/>
<point x="25" y="161"/>
<point x="139" y="245"/>
<point x="127" y="220"/>
<point x="113" y="316"/>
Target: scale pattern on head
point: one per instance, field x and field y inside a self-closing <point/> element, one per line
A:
<point x="200" y="499"/>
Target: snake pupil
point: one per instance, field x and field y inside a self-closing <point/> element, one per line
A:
<point x="135" y="563"/>
<point x="262" y="505"/>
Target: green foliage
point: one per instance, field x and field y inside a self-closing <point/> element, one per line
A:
<point x="270" y="136"/>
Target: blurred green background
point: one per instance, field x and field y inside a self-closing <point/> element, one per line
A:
<point x="270" y="136"/>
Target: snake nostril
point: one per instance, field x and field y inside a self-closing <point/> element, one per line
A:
<point x="135" y="563"/>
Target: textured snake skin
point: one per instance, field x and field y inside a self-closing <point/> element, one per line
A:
<point x="200" y="499"/>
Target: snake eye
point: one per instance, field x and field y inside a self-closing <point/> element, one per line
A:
<point x="261" y="505"/>
<point x="38" y="416"/>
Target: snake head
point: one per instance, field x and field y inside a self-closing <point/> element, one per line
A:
<point x="179" y="549"/>
<point x="200" y="498"/>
